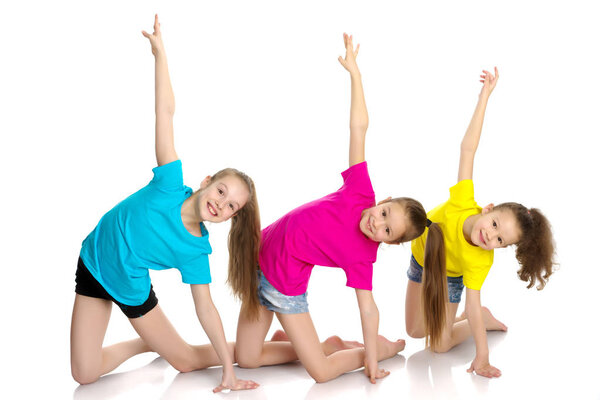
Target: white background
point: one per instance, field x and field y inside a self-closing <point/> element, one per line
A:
<point x="258" y="87"/>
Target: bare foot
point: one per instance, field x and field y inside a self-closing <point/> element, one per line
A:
<point x="335" y="343"/>
<point x="461" y="317"/>
<point x="491" y="323"/>
<point x="280" y="336"/>
<point x="387" y="349"/>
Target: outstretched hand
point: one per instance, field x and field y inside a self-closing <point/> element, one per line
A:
<point x="489" y="81"/>
<point x="155" y="38"/>
<point x="349" y="61"/>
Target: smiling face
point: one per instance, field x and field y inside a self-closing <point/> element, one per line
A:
<point x="221" y="199"/>
<point x="495" y="229"/>
<point x="385" y="222"/>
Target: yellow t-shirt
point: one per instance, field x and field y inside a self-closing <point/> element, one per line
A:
<point x="462" y="258"/>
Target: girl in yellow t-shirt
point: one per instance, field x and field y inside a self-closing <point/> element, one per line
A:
<point x="457" y="250"/>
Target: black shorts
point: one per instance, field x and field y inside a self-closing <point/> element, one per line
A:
<point x="87" y="285"/>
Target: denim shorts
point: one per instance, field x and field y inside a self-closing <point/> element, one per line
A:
<point x="278" y="302"/>
<point x="455" y="283"/>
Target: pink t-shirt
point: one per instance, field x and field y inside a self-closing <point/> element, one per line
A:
<point x="323" y="232"/>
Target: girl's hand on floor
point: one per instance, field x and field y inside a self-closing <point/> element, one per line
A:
<point x="349" y="62"/>
<point x="155" y="38"/>
<point x="484" y="368"/>
<point x="233" y="383"/>
<point x="489" y="81"/>
<point x="373" y="372"/>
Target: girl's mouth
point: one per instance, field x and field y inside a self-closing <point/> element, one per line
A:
<point x="481" y="238"/>
<point x="211" y="209"/>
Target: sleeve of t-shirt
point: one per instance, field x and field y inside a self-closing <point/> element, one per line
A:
<point x="168" y="177"/>
<point x="473" y="277"/>
<point x="359" y="276"/>
<point x="197" y="273"/>
<point x="357" y="180"/>
<point x="462" y="194"/>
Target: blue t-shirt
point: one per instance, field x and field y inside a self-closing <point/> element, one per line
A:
<point x="145" y="231"/>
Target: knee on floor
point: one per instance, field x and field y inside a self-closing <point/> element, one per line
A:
<point x="248" y="361"/>
<point x="84" y="376"/>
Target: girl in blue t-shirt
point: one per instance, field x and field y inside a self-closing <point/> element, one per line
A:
<point x="162" y="226"/>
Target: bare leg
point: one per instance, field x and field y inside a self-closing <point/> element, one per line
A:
<point x="491" y="323"/>
<point x="457" y="329"/>
<point x="320" y="366"/>
<point x="251" y="350"/>
<point x="330" y="345"/>
<point x="89" y="360"/>
<point x="156" y="330"/>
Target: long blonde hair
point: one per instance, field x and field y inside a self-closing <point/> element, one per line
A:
<point x="244" y="244"/>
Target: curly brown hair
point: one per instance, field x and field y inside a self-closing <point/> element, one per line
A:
<point x="535" y="248"/>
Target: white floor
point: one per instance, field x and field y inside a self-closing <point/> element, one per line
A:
<point x="258" y="87"/>
<point x="546" y="352"/>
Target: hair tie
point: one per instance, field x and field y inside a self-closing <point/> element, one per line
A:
<point x="428" y="222"/>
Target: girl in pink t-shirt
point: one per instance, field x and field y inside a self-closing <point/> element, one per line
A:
<point x="342" y="229"/>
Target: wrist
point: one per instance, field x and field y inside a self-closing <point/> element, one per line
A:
<point x="355" y="75"/>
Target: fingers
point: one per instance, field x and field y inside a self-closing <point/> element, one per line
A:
<point x="488" y="371"/>
<point x="220" y="388"/>
<point x="245" y="385"/>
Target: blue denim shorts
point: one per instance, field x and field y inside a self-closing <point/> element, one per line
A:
<point x="278" y="302"/>
<point x="455" y="283"/>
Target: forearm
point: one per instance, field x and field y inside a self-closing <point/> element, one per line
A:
<point x="211" y="322"/>
<point x="359" y="120"/>
<point x="475" y="318"/>
<point x="163" y="92"/>
<point x="473" y="133"/>
<point x="370" y="327"/>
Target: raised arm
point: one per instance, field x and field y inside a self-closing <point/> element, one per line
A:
<point x="359" y="119"/>
<point x="470" y="142"/>
<point x="164" y="99"/>
<point x="211" y="322"/>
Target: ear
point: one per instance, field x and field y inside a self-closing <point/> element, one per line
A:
<point x="205" y="182"/>
<point x="385" y="200"/>
<point x="487" y="208"/>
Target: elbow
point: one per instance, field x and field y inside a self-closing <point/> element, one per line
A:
<point x="167" y="111"/>
<point x="370" y="313"/>
<point x="359" y="126"/>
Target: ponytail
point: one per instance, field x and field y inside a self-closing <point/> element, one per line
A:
<point x="435" y="287"/>
<point x="244" y="244"/>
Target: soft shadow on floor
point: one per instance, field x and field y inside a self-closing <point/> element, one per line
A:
<point x="113" y="385"/>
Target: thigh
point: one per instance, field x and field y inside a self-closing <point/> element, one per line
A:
<point x="157" y="332"/>
<point x="413" y="310"/>
<point x="88" y="327"/>
<point x="251" y="334"/>
<point x="303" y="335"/>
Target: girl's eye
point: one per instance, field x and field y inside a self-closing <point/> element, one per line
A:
<point x="494" y="224"/>
<point x="387" y="230"/>
<point x="500" y="240"/>
<point x="383" y="213"/>
<point x="231" y="206"/>
<point x="220" y="191"/>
